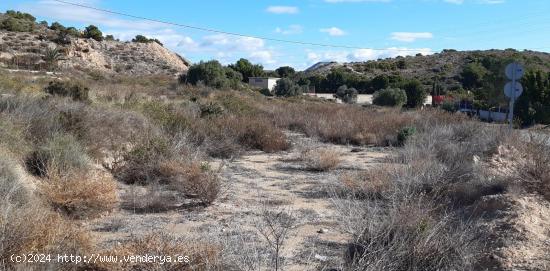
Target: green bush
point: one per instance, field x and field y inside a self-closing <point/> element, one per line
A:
<point x="347" y="95"/>
<point x="287" y="88"/>
<point x="60" y="154"/>
<point x="285" y="71"/>
<point x="416" y="94"/>
<point x="390" y="97"/>
<point x="144" y="39"/>
<point x="57" y="27"/>
<point x="92" y="32"/>
<point x="17" y="25"/>
<point x="405" y="134"/>
<point x="20" y="15"/>
<point x="247" y="69"/>
<point x="210" y="73"/>
<point x="77" y="91"/>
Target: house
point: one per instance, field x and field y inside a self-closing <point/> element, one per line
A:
<point x="263" y="82"/>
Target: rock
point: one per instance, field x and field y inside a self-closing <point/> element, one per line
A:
<point x="322" y="231"/>
<point x="321" y="258"/>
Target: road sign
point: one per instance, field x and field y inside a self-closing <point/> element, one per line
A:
<point x="509" y="90"/>
<point x="514" y="71"/>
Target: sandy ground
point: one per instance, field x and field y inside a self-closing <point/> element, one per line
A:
<point x="254" y="183"/>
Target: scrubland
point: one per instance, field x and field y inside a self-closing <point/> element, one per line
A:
<point x="446" y="195"/>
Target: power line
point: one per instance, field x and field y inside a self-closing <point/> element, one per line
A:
<point x="232" y="33"/>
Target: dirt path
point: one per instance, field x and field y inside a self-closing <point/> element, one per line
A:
<point x="254" y="183"/>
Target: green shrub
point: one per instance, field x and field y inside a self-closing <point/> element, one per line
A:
<point x="17" y="25"/>
<point x="60" y="154"/>
<point x="347" y="95"/>
<point x="416" y="94"/>
<point x="77" y="91"/>
<point x="20" y="15"/>
<point x="144" y="39"/>
<point x="211" y="110"/>
<point x="390" y="97"/>
<point x="247" y="69"/>
<point x="405" y="134"/>
<point x="287" y="88"/>
<point x="210" y="73"/>
<point x="92" y="32"/>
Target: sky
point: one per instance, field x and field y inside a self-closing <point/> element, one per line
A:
<point x="366" y="29"/>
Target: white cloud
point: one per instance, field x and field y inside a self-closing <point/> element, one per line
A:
<point x="363" y="54"/>
<point x="59" y="11"/>
<point x="291" y="30"/>
<point x="410" y="36"/>
<point x="282" y="9"/>
<point x="333" y="31"/>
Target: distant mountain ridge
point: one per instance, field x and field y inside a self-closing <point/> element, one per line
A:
<point x="445" y="66"/>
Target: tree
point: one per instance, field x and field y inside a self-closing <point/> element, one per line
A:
<point x="287" y="88"/>
<point x="390" y="97"/>
<point x="248" y="69"/>
<point x="335" y="79"/>
<point x="57" y="26"/>
<point x="110" y="38"/>
<point x="380" y="82"/>
<point x="92" y="32"/>
<point x="285" y="71"/>
<point x="347" y="95"/>
<point x="416" y="94"/>
<point x="141" y="38"/>
<point x="210" y="73"/>
<point x="472" y="75"/>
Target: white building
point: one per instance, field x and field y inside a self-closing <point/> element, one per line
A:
<point x="263" y="82"/>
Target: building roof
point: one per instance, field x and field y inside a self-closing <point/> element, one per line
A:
<point x="264" y="78"/>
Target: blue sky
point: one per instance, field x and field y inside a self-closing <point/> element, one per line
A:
<point x="391" y="27"/>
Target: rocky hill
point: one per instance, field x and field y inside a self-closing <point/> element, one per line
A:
<point x="40" y="47"/>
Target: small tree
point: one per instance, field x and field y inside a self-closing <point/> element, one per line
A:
<point x="287" y="88"/>
<point x="51" y="57"/>
<point x="285" y="71"/>
<point x="390" y="97"/>
<point x="472" y="75"/>
<point x="92" y="32"/>
<point x="347" y="95"/>
<point x="210" y="73"/>
<point x="416" y="94"/>
<point x="141" y="38"/>
<point x="248" y="69"/>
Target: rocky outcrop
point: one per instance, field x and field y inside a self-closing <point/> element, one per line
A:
<point x="29" y="51"/>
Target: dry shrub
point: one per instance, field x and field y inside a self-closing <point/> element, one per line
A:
<point x="27" y="227"/>
<point x="321" y="159"/>
<point x="341" y="124"/>
<point x="257" y="133"/>
<point x="151" y="198"/>
<point x="409" y="237"/>
<point x="60" y="154"/>
<point x="81" y="195"/>
<point x="195" y="180"/>
<point x="199" y="255"/>
<point x="370" y="184"/>
<point x="530" y="160"/>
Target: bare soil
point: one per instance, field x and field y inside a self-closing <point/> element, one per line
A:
<point x="253" y="183"/>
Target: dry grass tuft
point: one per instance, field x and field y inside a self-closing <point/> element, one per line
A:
<point x="370" y="184"/>
<point x="81" y="195"/>
<point x="321" y="159"/>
